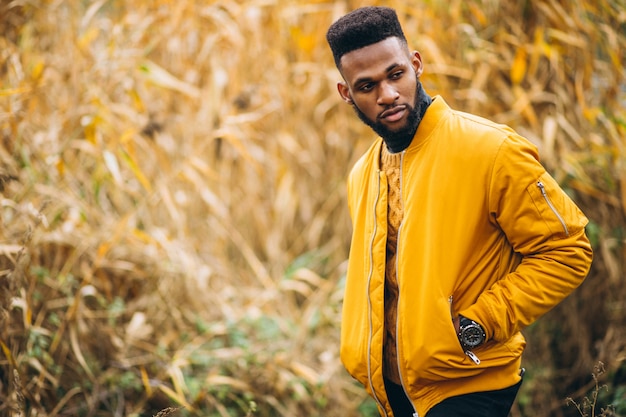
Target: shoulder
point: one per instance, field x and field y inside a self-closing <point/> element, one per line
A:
<point x="367" y="162"/>
<point x="481" y="126"/>
<point x="441" y="117"/>
<point x="476" y="134"/>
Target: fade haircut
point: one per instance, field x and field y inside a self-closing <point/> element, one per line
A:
<point x="362" y="27"/>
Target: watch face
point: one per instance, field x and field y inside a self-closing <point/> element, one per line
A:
<point x="473" y="336"/>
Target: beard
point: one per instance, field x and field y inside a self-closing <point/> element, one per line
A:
<point x="398" y="140"/>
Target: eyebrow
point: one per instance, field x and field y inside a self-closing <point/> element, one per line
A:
<point x="368" y="79"/>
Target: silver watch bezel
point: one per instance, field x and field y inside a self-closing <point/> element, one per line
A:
<point x="471" y="334"/>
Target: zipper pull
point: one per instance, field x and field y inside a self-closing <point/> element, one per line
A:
<point x="472" y="356"/>
<point x="416" y="415"/>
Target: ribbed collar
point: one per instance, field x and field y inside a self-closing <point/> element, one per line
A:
<point x="388" y="159"/>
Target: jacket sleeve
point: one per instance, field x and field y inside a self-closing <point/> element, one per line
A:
<point x="545" y="227"/>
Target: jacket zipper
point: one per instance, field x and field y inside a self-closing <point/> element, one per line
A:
<point x="542" y="188"/>
<point x="415" y="413"/>
<point x="472" y="356"/>
<point x="369" y="302"/>
<point x="468" y="352"/>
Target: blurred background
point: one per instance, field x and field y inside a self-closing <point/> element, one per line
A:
<point x="173" y="226"/>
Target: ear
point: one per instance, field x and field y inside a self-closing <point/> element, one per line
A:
<point x="416" y="60"/>
<point x="344" y="92"/>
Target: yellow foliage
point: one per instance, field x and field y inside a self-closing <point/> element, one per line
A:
<point x="519" y="66"/>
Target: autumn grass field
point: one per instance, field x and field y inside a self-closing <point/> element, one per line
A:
<point x="173" y="226"/>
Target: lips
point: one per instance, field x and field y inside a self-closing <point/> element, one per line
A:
<point x="393" y="114"/>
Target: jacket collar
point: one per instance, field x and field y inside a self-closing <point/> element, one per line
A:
<point x="433" y="116"/>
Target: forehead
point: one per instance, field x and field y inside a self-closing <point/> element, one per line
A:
<point x="374" y="60"/>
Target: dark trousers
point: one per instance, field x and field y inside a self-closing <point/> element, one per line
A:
<point x="479" y="404"/>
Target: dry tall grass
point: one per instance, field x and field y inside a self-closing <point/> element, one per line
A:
<point x="174" y="231"/>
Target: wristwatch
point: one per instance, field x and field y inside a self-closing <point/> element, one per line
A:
<point x="471" y="334"/>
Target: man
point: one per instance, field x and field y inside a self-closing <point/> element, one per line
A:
<point x="460" y="238"/>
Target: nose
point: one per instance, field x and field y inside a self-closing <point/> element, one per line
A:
<point x="387" y="95"/>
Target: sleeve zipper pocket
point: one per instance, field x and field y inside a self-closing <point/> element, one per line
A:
<point x="544" y="193"/>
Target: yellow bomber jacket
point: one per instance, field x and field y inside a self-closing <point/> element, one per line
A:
<point x="487" y="233"/>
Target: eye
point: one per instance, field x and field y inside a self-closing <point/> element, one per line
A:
<point x="396" y="75"/>
<point x="366" y="87"/>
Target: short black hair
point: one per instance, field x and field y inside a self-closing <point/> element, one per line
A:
<point x="362" y="27"/>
